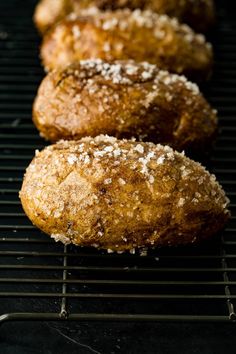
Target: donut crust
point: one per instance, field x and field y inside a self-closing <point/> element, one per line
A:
<point x="121" y="35"/>
<point x="120" y="195"/>
<point x="124" y="99"/>
<point x="199" y="14"/>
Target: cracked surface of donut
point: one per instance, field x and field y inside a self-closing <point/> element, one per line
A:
<point x="199" y="14"/>
<point x="124" y="99"/>
<point x="120" y="195"/>
<point x="123" y="34"/>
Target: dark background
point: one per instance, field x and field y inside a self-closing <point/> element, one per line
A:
<point x="109" y="338"/>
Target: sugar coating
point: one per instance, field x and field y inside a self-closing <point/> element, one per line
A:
<point x="126" y="73"/>
<point x="48" y="12"/>
<point x="123" y="34"/>
<point x="76" y="31"/>
<point x="125" y="99"/>
<point x="146" y="19"/>
<point x="158" y="23"/>
<point x="90" y="200"/>
<point x="99" y="156"/>
<point x="61" y="238"/>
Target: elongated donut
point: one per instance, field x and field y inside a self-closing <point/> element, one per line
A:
<point x="124" y="99"/>
<point x="199" y="14"/>
<point x="141" y="36"/>
<point x="121" y="195"/>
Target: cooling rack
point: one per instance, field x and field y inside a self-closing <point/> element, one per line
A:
<point x="41" y="280"/>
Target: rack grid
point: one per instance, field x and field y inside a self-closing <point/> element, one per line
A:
<point x="42" y="280"/>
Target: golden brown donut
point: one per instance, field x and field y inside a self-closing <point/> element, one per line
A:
<point x="121" y="195"/>
<point x="124" y="99"/>
<point x="141" y="36"/>
<point x="199" y="14"/>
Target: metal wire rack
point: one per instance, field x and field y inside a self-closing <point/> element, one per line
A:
<point x="41" y="280"/>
